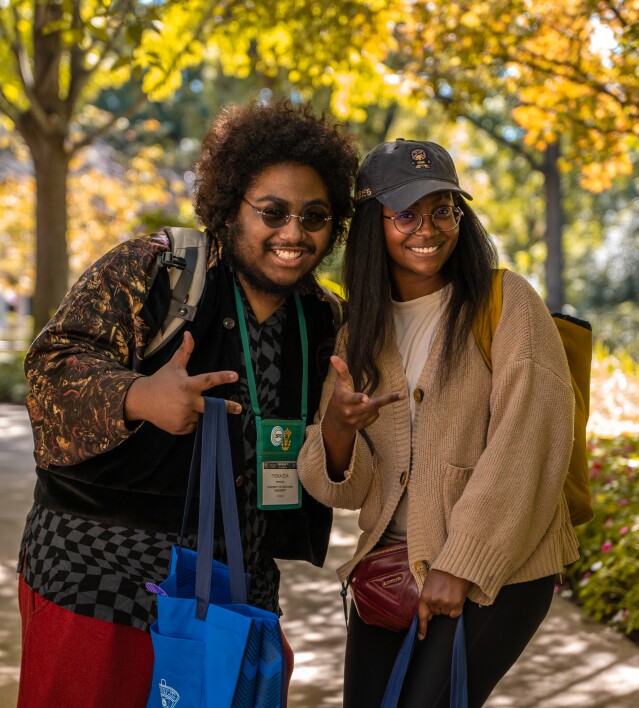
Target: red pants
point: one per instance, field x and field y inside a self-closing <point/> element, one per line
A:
<point x="79" y="662"/>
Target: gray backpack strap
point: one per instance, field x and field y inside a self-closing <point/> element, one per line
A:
<point x="186" y="261"/>
<point x="180" y="306"/>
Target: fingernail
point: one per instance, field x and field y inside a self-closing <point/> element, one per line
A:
<point x="231" y="376"/>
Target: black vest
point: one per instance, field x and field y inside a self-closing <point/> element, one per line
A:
<point x="141" y="483"/>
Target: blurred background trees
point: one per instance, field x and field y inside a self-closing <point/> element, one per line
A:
<point x="104" y="103"/>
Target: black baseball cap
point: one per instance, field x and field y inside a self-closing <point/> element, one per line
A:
<point x="399" y="173"/>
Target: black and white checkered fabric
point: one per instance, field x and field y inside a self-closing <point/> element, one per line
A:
<point x="94" y="569"/>
<point x="99" y="571"/>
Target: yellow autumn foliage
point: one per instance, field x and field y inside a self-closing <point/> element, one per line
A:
<point x="570" y="68"/>
<point x="104" y="208"/>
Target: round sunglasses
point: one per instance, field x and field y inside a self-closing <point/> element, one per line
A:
<point x="313" y="218"/>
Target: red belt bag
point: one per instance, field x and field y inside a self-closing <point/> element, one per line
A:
<point x="384" y="590"/>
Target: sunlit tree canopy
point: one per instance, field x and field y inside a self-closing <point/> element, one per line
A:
<point x="550" y="72"/>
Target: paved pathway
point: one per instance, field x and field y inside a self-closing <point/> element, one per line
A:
<point x="569" y="662"/>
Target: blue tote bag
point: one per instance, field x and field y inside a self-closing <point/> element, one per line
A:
<point x="212" y="649"/>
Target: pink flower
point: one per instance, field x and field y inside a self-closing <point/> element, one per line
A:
<point x="607" y="523"/>
<point x="623" y="530"/>
<point x="623" y="502"/>
<point x="606" y="546"/>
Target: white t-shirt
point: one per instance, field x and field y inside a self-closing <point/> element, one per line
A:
<point x="415" y="324"/>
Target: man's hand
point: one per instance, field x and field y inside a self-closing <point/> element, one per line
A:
<point x="442" y="594"/>
<point x="170" y="398"/>
<point x="347" y="412"/>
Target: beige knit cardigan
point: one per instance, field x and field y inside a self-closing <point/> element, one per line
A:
<point x="485" y="466"/>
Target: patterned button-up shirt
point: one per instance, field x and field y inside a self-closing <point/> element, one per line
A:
<point x="96" y="569"/>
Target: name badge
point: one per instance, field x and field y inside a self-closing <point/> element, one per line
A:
<point x="279" y="442"/>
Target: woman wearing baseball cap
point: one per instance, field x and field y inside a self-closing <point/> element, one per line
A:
<point x="464" y="465"/>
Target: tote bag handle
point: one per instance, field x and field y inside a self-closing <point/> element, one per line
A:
<point x="212" y="460"/>
<point x="459" y="676"/>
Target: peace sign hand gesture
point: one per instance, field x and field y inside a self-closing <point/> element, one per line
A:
<point x="170" y="398"/>
<point x="350" y="409"/>
<point x="347" y="412"/>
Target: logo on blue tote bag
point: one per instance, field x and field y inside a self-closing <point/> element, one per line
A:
<point x="168" y="695"/>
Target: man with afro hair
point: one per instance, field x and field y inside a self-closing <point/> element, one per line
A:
<point x="114" y="427"/>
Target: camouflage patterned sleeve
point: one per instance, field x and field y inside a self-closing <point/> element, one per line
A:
<point x="79" y="366"/>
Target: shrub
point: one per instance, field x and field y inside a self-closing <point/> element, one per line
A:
<point x="13" y="385"/>
<point x="605" y="580"/>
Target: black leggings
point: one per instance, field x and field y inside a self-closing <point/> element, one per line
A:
<point x="495" y="637"/>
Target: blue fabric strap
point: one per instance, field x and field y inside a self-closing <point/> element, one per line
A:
<point x="396" y="680"/>
<point x="216" y="466"/>
<point x="193" y="472"/>
<point x="206" y="523"/>
<point x="226" y="482"/>
<point x="459" y="673"/>
<point x="458" y="680"/>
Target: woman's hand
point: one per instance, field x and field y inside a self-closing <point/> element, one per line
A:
<point x="347" y="412"/>
<point x="442" y="594"/>
<point x="349" y="409"/>
<point x="170" y="398"/>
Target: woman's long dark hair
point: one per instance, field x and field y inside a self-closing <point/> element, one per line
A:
<point x="368" y="285"/>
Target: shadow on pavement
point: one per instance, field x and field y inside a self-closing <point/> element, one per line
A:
<point x="569" y="662"/>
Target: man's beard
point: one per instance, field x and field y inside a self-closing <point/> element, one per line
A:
<point x="253" y="275"/>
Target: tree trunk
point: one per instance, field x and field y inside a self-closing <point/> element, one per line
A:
<point x="51" y="165"/>
<point x="44" y="127"/>
<point x="554" y="227"/>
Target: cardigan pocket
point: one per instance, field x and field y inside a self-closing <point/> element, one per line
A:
<point x="455" y="480"/>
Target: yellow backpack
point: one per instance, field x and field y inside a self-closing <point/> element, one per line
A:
<point x="576" y="336"/>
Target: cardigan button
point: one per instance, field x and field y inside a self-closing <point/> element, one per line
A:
<point x="422" y="567"/>
<point x="228" y="323"/>
<point x="235" y="399"/>
<point x="418" y="394"/>
<point x="239" y="481"/>
<point x="402" y="478"/>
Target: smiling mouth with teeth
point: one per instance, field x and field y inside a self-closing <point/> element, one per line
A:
<point x="288" y="255"/>
<point x="423" y="249"/>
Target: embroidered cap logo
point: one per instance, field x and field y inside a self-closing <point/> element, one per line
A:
<point x="420" y="159"/>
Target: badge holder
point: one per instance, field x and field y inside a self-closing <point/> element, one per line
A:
<point x="278" y="445"/>
<point x="279" y="440"/>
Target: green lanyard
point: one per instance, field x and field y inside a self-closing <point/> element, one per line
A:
<point x="278" y="440"/>
<point x="250" y="376"/>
